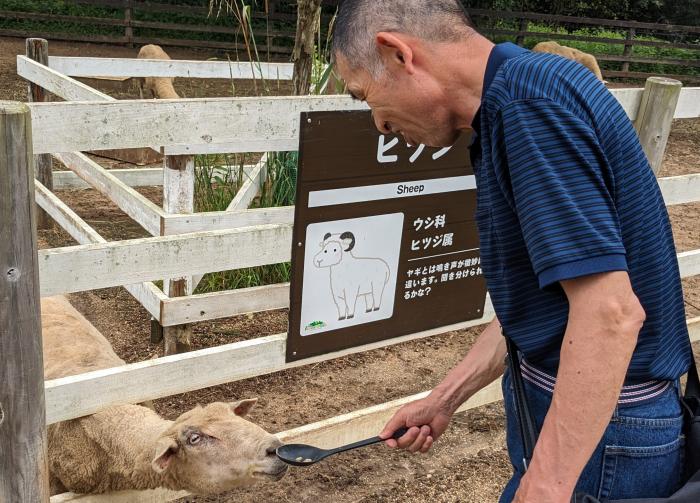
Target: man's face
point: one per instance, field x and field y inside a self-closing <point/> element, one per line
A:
<point x="408" y="103"/>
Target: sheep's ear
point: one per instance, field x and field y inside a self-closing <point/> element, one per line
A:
<point x="243" y="407"/>
<point x="348" y="239"/>
<point x="166" y="448"/>
<point x="328" y="234"/>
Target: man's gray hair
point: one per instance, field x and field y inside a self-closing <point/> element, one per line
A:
<point x="359" y="21"/>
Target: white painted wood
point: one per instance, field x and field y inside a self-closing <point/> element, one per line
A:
<point x="365" y="423"/>
<point x="66" y="218"/>
<point x="222" y="220"/>
<point x="148" y="294"/>
<point x="138" y="177"/>
<point x="629" y="98"/>
<point x="689" y="263"/>
<point x="251" y="186"/>
<point x="178" y="198"/>
<point x="676" y="190"/>
<point x="57" y="83"/>
<point x="247" y="124"/>
<point x="694" y="329"/>
<point x="131" y="202"/>
<point x="76" y="396"/>
<point x="127" y="67"/>
<point x="89" y="267"/>
<point x="152" y="496"/>
<point x="680" y="189"/>
<point x="212" y="306"/>
<point x="688" y="104"/>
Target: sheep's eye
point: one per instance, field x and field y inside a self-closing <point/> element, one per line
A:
<point x="194" y="439"/>
<point x="335" y="250"/>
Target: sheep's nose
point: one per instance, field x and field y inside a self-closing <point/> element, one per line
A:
<point x="271" y="449"/>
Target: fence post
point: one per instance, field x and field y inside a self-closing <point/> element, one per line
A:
<point x="24" y="472"/>
<point x="627" y="51"/>
<point x="655" y="116"/>
<point x="178" y="197"/>
<point x="38" y="50"/>
<point x="128" y="29"/>
<point x="520" y="38"/>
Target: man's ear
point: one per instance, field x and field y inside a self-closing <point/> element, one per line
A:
<point x="243" y="407"/>
<point x="166" y="448"/>
<point x="395" y="51"/>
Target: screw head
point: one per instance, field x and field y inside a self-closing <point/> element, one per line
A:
<point x="300" y="244"/>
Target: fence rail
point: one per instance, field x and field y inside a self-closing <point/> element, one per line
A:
<point x="277" y="39"/>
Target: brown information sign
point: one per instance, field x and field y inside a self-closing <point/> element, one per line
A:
<point x="385" y="242"/>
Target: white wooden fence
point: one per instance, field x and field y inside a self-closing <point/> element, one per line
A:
<point x="191" y="244"/>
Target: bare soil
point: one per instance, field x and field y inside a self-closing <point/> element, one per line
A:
<point x="468" y="464"/>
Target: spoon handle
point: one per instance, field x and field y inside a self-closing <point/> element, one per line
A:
<point x="362" y="443"/>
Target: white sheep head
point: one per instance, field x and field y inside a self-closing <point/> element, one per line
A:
<point x="212" y="449"/>
<point x="332" y="248"/>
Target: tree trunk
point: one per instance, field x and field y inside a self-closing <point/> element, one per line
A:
<point x="308" y="16"/>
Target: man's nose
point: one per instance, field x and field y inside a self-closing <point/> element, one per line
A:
<point x="381" y="124"/>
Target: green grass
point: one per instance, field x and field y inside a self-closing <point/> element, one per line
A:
<point x="216" y="186"/>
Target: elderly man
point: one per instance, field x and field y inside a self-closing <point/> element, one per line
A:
<point x="575" y="242"/>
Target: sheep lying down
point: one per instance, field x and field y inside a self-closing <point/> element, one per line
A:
<point x="207" y="450"/>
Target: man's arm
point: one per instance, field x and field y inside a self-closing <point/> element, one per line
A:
<point x="605" y="317"/>
<point x="428" y="418"/>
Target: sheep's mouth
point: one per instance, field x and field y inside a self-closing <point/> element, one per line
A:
<point x="272" y="475"/>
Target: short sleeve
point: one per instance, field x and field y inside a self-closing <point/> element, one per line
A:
<point x="561" y="191"/>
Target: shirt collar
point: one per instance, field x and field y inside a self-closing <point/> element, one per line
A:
<point x="499" y="54"/>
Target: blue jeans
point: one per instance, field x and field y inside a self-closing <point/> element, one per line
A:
<point x="639" y="456"/>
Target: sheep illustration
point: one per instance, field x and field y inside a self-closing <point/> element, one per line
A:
<point x="352" y="277"/>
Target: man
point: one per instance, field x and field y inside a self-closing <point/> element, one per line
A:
<point x="575" y="242"/>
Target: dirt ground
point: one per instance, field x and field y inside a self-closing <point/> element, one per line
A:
<point x="468" y="464"/>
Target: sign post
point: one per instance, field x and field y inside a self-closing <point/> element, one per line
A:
<point x="385" y="242"/>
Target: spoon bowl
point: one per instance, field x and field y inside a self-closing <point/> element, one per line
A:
<point x="307" y="455"/>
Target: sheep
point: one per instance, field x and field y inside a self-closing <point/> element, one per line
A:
<point x="161" y="87"/>
<point x="207" y="450"/>
<point x="581" y="57"/>
<point x="351" y="276"/>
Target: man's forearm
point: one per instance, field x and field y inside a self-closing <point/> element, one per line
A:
<point x="483" y="364"/>
<point x="594" y="359"/>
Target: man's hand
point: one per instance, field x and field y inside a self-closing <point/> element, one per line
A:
<point x="426" y="420"/>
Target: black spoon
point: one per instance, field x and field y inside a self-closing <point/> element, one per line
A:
<point x="306" y="455"/>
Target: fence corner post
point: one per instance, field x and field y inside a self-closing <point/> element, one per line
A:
<point x="178" y="197"/>
<point x="24" y="472"/>
<point x="37" y="49"/>
<point x="655" y="117"/>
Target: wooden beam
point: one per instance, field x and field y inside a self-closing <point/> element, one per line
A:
<point x="148" y="294"/>
<point x="137" y="177"/>
<point x="131" y="202"/>
<point x="89" y="267"/>
<point x="57" y="83"/>
<point x="212" y="306"/>
<point x="222" y="220"/>
<point x="689" y="263"/>
<point x="688" y="104"/>
<point x="178" y="198"/>
<point x="653" y="122"/>
<point x="37" y="49"/>
<point x="231" y="125"/>
<point x="680" y="189"/>
<point x="24" y="474"/>
<point x="76" y="396"/>
<point x="132" y="67"/>
<point x="193" y="125"/>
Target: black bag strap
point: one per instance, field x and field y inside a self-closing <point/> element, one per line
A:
<point x="526" y="422"/>
<point x="692" y="387"/>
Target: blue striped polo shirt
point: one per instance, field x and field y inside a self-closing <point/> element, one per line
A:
<point x="564" y="190"/>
